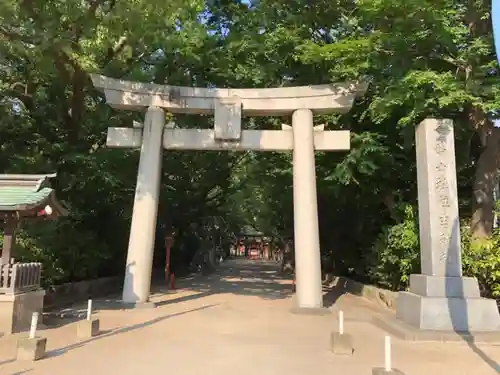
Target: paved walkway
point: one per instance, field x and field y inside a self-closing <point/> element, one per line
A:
<point x="237" y="321"/>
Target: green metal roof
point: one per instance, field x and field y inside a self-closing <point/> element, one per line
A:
<point x="249" y="230"/>
<point x="15" y="196"/>
<point x="20" y="193"/>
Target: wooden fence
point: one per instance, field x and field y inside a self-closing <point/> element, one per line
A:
<point x="19" y="277"/>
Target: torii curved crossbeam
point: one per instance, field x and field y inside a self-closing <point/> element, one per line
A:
<point x="123" y="94"/>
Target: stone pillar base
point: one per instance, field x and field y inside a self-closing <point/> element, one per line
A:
<point x="119" y="304"/>
<point x="447" y="304"/>
<point x="382" y="371"/>
<point x="87" y="329"/>
<point x="31" y="349"/>
<point x="309" y="310"/>
<point x="137" y="305"/>
<point x="341" y="343"/>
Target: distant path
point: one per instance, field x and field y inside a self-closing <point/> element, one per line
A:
<point x="236" y="322"/>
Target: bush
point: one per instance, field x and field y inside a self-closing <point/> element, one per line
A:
<point x="396" y="255"/>
<point x="67" y="251"/>
<point x="481" y="259"/>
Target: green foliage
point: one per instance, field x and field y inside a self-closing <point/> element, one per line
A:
<point x="67" y="250"/>
<point x="481" y="259"/>
<point x="421" y="58"/>
<point x="395" y="254"/>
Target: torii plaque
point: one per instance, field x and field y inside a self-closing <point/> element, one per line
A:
<point x="228" y="107"/>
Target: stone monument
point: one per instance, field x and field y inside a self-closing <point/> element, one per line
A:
<point x="228" y="106"/>
<point x="440" y="298"/>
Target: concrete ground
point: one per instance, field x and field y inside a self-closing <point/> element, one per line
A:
<point x="237" y="321"/>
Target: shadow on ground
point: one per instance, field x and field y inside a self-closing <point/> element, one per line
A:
<point x="459" y="316"/>
<point x="263" y="279"/>
<point x="239" y="277"/>
<point x="109" y="333"/>
<point x="105" y="334"/>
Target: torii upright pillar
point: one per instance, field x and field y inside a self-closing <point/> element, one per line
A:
<point x="136" y="285"/>
<point x="305" y="213"/>
<point x="228" y="106"/>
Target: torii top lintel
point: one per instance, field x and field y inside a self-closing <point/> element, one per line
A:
<point x="331" y="98"/>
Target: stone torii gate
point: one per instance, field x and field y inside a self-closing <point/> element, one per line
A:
<point x="228" y="107"/>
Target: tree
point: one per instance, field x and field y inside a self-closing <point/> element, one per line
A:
<point x="423" y="58"/>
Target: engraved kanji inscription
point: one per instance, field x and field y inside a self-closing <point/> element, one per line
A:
<point x="441" y="167"/>
<point x="444" y="221"/>
<point x="443" y="129"/>
<point x="227" y="119"/>
<point x="443" y="245"/>
<point x="441" y="186"/>
<point x="444" y="201"/>
<point x="440" y="148"/>
<point x="440" y="183"/>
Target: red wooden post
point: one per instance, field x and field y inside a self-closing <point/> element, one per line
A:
<point x="266" y="251"/>
<point x="171" y="285"/>
<point x="168" y="246"/>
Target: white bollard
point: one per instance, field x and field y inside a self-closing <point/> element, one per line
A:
<point x="341" y="342"/>
<point x="34" y="324"/>
<point x="89" y="327"/>
<point x="387" y="369"/>
<point x="387" y="361"/>
<point x="32" y="348"/>
<point x="89" y="310"/>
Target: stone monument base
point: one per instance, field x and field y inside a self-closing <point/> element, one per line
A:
<point x="403" y="331"/>
<point x="448" y="313"/>
<point x="440" y="286"/>
<point x="443" y="309"/>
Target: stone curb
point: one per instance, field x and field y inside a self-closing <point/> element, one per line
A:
<point x="384" y="297"/>
<point x="65" y="314"/>
<point x="63" y="309"/>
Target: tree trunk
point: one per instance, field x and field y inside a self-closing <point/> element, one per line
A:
<point x="485" y="180"/>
